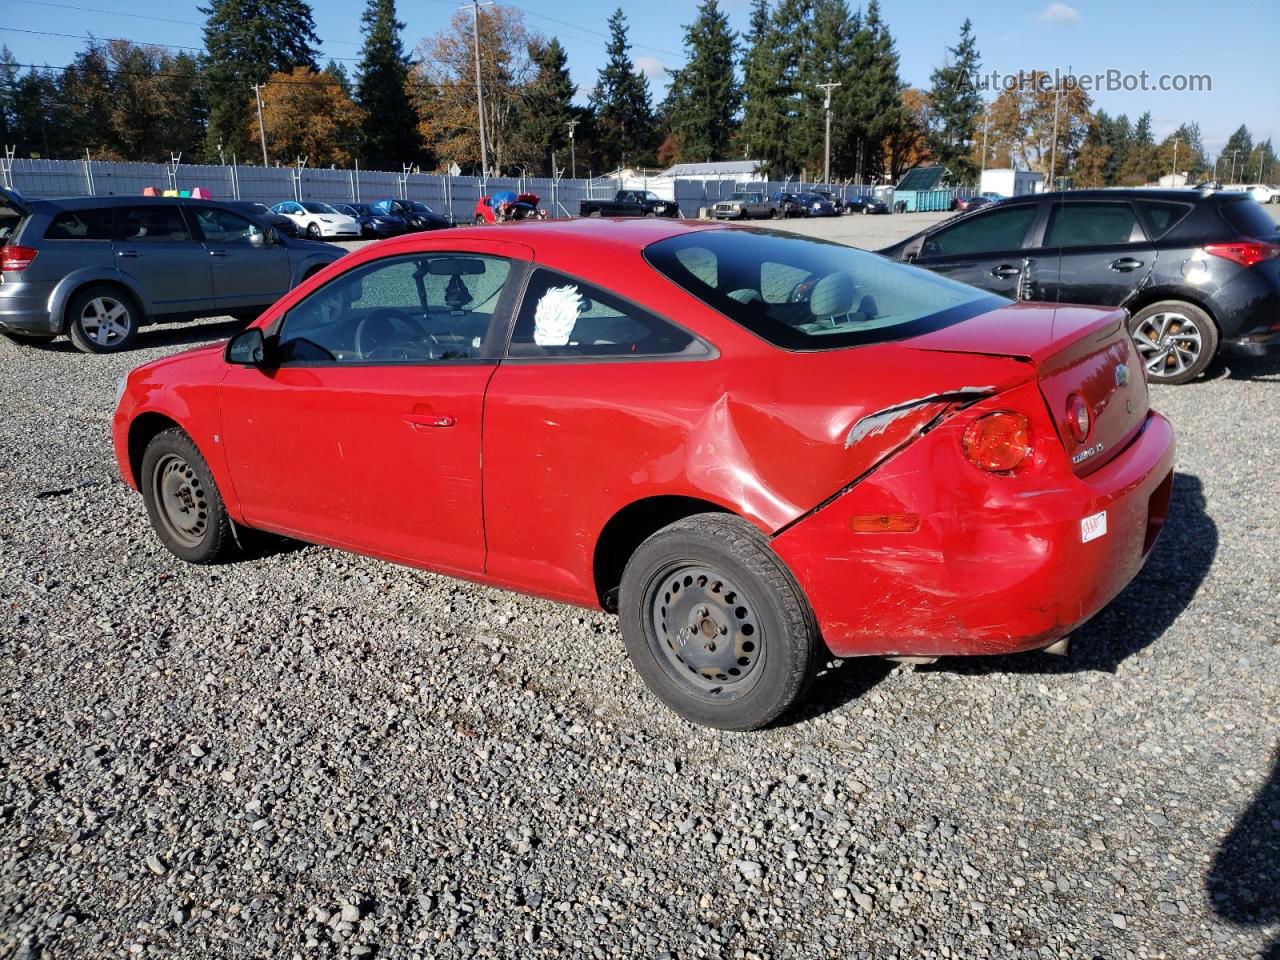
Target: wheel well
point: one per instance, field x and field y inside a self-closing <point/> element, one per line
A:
<point x="110" y="284"/>
<point x="142" y="431"/>
<point x="630" y="527"/>
<point x="1146" y="298"/>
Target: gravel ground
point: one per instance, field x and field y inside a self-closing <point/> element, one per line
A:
<point x="307" y="753"/>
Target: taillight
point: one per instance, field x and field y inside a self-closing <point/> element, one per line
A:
<point x="998" y="442"/>
<point x="1246" y="253"/>
<point x="1078" y="418"/>
<point x="16" y="258"/>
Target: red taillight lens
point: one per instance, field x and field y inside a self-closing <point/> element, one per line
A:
<point x="1246" y="254"/>
<point x="1078" y="418"/>
<point x="16" y="258"/>
<point x="998" y="442"/>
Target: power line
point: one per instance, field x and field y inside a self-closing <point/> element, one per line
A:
<point x="143" y="43"/>
<point x="204" y="78"/>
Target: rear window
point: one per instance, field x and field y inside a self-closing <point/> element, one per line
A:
<point x="1092" y="225"/>
<point x="802" y="293"/>
<point x="1247" y="216"/>
<point x="1163" y="216"/>
<point x="94" y="224"/>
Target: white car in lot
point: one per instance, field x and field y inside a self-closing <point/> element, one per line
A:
<point x="319" y="221"/>
<point x="1264" y="193"/>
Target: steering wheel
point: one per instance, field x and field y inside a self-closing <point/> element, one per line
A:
<point x="378" y="328"/>
<point x="403" y="350"/>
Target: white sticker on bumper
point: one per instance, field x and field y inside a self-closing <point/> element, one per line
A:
<point x="1093" y="527"/>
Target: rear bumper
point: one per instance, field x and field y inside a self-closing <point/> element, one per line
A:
<point x="998" y="564"/>
<point x="22" y="312"/>
<point x="1254" y="345"/>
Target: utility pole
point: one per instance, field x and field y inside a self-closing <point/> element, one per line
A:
<point x="1053" y="146"/>
<point x="986" y="122"/>
<point x="484" y="144"/>
<point x="826" y="169"/>
<point x="1233" y="166"/>
<point x="1174" y="172"/>
<point x="573" y="154"/>
<point x="262" y="130"/>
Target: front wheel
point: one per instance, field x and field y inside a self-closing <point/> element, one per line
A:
<point x="313" y="232"/>
<point x="715" y="624"/>
<point x="102" y="320"/>
<point x="183" y="502"/>
<point x="1176" y="340"/>
<point x="478" y="221"/>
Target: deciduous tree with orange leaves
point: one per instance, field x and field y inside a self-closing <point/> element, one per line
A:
<point x="308" y="115"/>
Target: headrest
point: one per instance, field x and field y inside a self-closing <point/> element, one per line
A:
<point x="832" y="295"/>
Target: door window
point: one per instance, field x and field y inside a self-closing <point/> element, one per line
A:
<point x="1162" y="216"/>
<point x="564" y="317"/>
<point x="987" y="232"/>
<point x="426" y="308"/>
<point x="159" y="223"/>
<point x="1092" y="225"/>
<point x="223" y="226"/>
<point x="91" y="224"/>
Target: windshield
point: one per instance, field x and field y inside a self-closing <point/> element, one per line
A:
<point x="744" y="197"/>
<point x="312" y="206"/>
<point x="419" y="207"/>
<point x="802" y="293"/>
<point x="251" y="207"/>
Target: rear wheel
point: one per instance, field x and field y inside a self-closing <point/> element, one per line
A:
<point x="1176" y="340"/>
<point x="715" y="624"/>
<point x="102" y="320"/>
<point x="183" y="503"/>
<point x="478" y="221"/>
<point x="29" y="339"/>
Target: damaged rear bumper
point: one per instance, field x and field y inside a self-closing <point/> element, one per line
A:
<point x="996" y="565"/>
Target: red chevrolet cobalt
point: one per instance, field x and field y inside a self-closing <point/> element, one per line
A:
<point x="754" y="447"/>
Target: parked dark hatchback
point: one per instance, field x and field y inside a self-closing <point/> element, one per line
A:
<point x="373" y="224"/>
<point x="1199" y="272"/>
<point x="264" y="213"/>
<point x="416" y="214"/>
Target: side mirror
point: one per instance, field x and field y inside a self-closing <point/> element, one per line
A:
<point x="248" y="348"/>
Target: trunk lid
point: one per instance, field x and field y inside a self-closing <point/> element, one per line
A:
<point x="1076" y="351"/>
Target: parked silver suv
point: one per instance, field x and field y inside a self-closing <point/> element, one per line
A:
<point x="97" y="268"/>
<point x="743" y="206"/>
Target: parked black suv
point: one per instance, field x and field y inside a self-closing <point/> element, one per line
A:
<point x="1198" y="272"/>
<point x="97" y="268"/>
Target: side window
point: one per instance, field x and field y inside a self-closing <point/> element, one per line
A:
<point x="424" y="308"/>
<point x="159" y="223"/>
<point x="91" y="224"/>
<point x="1004" y="229"/>
<point x="223" y="226"/>
<point x="563" y="317"/>
<point x="1162" y="216"/>
<point x="1092" y="225"/>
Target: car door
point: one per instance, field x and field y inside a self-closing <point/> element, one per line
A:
<point x="1104" y="254"/>
<point x="154" y="246"/>
<point x="364" y="429"/>
<point x="992" y="249"/>
<point x="248" y="269"/>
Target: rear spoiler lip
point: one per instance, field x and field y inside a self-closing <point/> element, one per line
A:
<point x="1057" y="348"/>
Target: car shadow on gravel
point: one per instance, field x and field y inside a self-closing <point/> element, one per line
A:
<point x="1244" y="882"/>
<point x="1134" y="620"/>
<point x="178" y="335"/>
<point x="1253" y="368"/>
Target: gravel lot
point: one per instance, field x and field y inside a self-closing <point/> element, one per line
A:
<point x="307" y="753"/>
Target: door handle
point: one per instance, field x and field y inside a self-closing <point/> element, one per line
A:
<point x="417" y="420"/>
<point x="217" y="253"/>
<point x="1005" y="270"/>
<point x="128" y="253"/>
<point x="1125" y="264"/>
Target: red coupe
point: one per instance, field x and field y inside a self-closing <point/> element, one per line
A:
<point x="754" y="447"/>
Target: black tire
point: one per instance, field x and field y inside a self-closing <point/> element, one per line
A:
<point x="742" y="608"/>
<point x="313" y="232"/>
<point x="183" y="502"/>
<point x="478" y="221"/>
<point x="1176" y="340"/>
<point x="102" y="319"/>
<point x="28" y="339"/>
<point x="774" y="215"/>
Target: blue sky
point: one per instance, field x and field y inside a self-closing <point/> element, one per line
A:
<point x="1085" y="36"/>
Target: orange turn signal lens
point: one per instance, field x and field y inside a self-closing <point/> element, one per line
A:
<point x="886" y="523"/>
<point x="998" y="442"/>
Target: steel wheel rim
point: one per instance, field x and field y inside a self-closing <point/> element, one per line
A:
<point x="704" y="631"/>
<point x="101" y="321"/>
<point x="181" y="499"/>
<point x="1169" y="343"/>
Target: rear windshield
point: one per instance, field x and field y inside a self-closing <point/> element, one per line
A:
<point x="802" y="293"/>
<point x="1247" y="216"/>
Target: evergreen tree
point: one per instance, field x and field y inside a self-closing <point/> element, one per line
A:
<point x="548" y="106"/>
<point x="792" y="151"/>
<point x="340" y="76"/>
<point x="1261" y="167"/>
<point x="8" y="89"/>
<point x="705" y="96"/>
<point x="877" y="92"/>
<point x="624" y="128"/>
<point x="245" y="42"/>
<point x="1235" y="155"/>
<point x="761" y="91"/>
<point x="1116" y="134"/>
<point x="389" y="129"/>
<point x="955" y="105"/>
<point x="830" y="39"/>
<point x="1140" y="162"/>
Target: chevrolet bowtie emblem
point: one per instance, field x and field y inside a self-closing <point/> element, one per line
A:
<point x="1122" y="375"/>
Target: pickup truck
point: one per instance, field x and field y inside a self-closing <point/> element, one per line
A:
<point x="743" y="206"/>
<point x="630" y="203"/>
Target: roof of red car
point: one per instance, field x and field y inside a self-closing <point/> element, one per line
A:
<point x="633" y="233"/>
